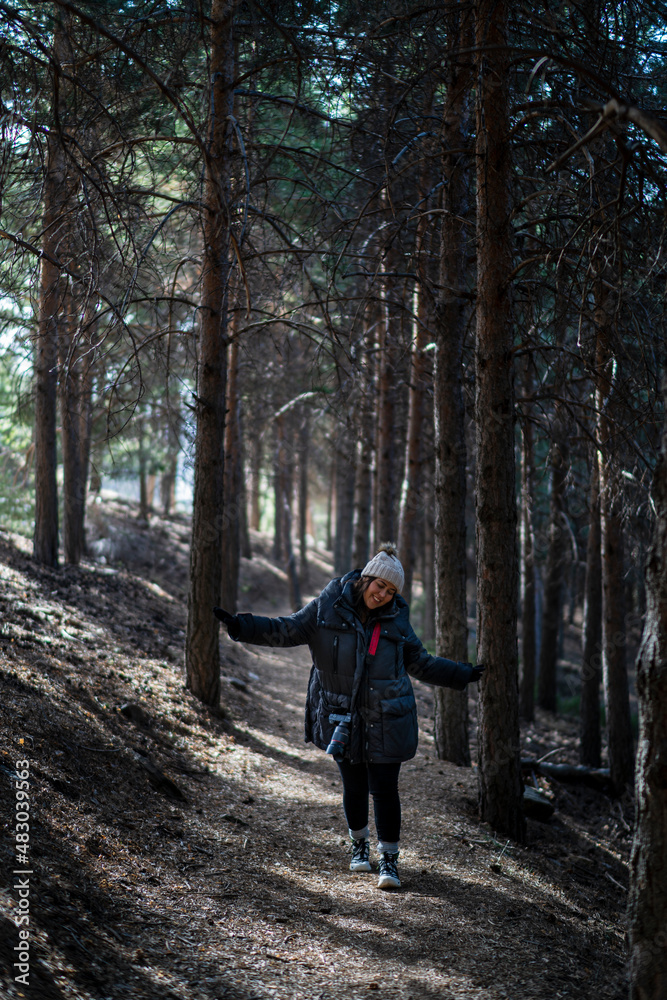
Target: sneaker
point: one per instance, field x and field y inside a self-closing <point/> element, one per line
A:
<point x="388" y="872"/>
<point x="360" y="854"/>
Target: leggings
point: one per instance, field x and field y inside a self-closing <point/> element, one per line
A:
<point x="381" y="780"/>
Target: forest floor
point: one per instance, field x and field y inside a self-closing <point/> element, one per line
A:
<point x="182" y="855"/>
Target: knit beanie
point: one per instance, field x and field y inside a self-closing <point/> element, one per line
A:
<point x="387" y="566"/>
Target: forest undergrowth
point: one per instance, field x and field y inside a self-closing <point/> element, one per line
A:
<point x="181" y="854"/>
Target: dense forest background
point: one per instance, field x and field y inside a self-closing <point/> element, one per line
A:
<point x="349" y="274"/>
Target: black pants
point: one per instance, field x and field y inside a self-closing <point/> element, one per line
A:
<point x="381" y="781"/>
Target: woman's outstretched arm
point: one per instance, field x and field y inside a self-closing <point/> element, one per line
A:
<point x="436" y="669"/>
<point x="290" y="630"/>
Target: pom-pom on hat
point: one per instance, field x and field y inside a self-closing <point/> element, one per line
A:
<point x="387" y="566"/>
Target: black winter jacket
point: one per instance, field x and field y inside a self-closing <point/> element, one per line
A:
<point x="383" y="729"/>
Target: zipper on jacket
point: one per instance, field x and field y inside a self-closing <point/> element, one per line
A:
<point x="335" y="654"/>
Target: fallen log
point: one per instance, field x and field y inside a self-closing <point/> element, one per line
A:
<point x="536" y="805"/>
<point x="592" y="777"/>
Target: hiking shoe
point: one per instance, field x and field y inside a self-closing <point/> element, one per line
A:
<point x="360" y="853"/>
<point x="388" y="872"/>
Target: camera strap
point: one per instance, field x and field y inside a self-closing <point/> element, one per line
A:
<point x="375" y="638"/>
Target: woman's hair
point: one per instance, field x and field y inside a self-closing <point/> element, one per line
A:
<point x="358" y="590"/>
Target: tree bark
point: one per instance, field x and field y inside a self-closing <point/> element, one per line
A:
<point x="285" y="480"/>
<point x="412" y="500"/>
<point x="591" y="667"/>
<point x="330" y="503"/>
<point x="303" y="449"/>
<point x="255" y="475"/>
<point x="451" y="707"/>
<point x="168" y="485"/>
<point x="71" y="418"/>
<point x="419" y="384"/>
<point x="244" y="533"/>
<point x="559" y="460"/>
<point x="648" y="873"/>
<point x="501" y="788"/>
<point x="617" y="700"/>
<point x="231" y="527"/>
<point x="345" y="472"/>
<point x="202" y="653"/>
<point x="51" y="293"/>
<point x="279" y="490"/>
<point x="387" y="485"/>
<point x="87" y="366"/>
<point x="363" y="490"/>
<point x="290" y="558"/>
<point x="552" y="608"/>
<point x="144" y="501"/>
<point x="528" y="594"/>
<point x="428" y="572"/>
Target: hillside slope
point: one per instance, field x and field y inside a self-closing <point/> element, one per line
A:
<point x="175" y="853"/>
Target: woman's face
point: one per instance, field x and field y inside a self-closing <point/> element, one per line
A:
<point x="377" y="593"/>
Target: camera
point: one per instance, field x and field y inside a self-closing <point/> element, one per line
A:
<point x="340" y="737"/>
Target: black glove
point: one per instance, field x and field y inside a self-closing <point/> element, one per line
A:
<point x="477" y="672"/>
<point x="231" y="621"/>
<point x="223" y="615"/>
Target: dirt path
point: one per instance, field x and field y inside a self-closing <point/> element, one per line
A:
<point x="241" y="890"/>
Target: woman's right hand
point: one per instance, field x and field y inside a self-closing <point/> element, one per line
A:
<point x="231" y="621"/>
<point x="224" y="616"/>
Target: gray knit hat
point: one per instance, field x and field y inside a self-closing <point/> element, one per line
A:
<point x="387" y="566"/>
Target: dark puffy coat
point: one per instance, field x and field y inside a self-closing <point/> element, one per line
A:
<point x="384" y="722"/>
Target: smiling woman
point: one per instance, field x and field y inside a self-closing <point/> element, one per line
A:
<point x="360" y="706"/>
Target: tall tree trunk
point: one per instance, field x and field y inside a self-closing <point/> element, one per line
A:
<point x="77" y="356"/>
<point x="345" y="471"/>
<point x="51" y="293"/>
<point x="168" y="485"/>
<point x="290" y="558"/>
<point x="285" y="480"/>
<point x="388" y="452"/>
<point x="202" y="652"/>
<point x="528" y="595"/>
<point x="552" y="608"/>
<point x="144" y="502"/>
<point x="419" y="383"/>
<point x="303" y="448"/>
<point x="255" y="477"/>
<point x="501" y="788"/>
<point x="451" y="707"/>
<point x="428" y="571"/>
<point x="617" y="700"/>
<point x="86" y="408"/>
<point x="412" y="501"/>
<point x="363" y="490"/>
<point x="648" y="874"/>
<point x="559" y="460"/>
<point x="167" y="481"/>
<point x="279" y="488"/>
<point x="246" y="547"/>
<point x="591" y="667"/>
<point x="70" y="387"/>
<point x="330" y="503"/>
<point x="231" y="527"/>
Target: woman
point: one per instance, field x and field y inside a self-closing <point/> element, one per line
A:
<point x="360" y="706"/>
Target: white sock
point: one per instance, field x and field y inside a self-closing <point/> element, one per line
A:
<point x="359" y="834"/>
